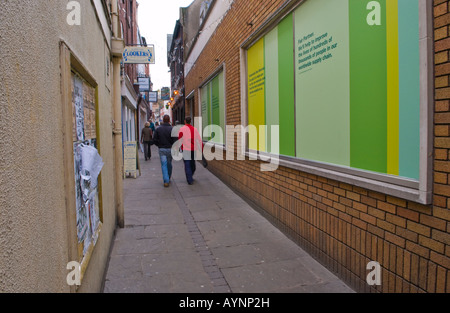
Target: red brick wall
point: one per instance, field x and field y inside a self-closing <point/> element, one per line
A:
<point x="343" y="226"/>
<point x="130" y="31"/>
<point x="441" y="200"/>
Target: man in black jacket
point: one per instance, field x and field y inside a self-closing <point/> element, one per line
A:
<point x="163" y="140"/>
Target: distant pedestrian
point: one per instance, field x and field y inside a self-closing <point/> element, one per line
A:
<point x="152" y="126"/>
<point x="146" y="139"/>
<point x="163" y="140"/>
<point x="192" y="147"/>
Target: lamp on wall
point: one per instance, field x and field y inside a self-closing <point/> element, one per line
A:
<point x="178" y="93"/>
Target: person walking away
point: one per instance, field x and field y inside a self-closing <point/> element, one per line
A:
<point x="192" y="147"/>
<point x="152" y="126"/>
<point x="146" y="139"/>
<point x="163" y="140"/>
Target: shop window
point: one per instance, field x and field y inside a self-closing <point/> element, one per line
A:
<point x="212" y="102"/>
<point x="344" y="81"/>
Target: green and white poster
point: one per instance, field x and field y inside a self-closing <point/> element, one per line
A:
<point x="213" y="107"/>
<point x="342" y="79"/>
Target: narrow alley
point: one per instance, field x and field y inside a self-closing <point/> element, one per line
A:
<point x="204" y="239"/>
<point x="327" y="124"/>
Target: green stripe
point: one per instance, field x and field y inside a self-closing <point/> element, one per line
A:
<point x="222" y="104"/>
<point x="215" y="105"/>
<point x="204" y="100"/>
<point x="409" y="64"/>
<point x="272" y="84"/>
<point x="208" y="107"/>
<point x="286" y="86"/>
<point x="322" y="88"/>
<point x="215" y="102"/>
<point x="368" y="89"/>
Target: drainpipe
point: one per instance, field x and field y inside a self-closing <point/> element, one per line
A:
<point x="138" y="115"/>
<point x="118" y="47"/>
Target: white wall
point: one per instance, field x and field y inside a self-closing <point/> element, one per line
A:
<point x="215" y="17"/>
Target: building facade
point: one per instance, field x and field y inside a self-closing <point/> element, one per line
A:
<point x="58" y="85"/>
<point x="136" y="110"/>
<point x="176" y="64"/>
<point x="184" y="38"/>
<point x="346" y="107"/>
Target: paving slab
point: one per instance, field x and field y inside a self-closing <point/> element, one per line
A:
<point x="204" y="238"/>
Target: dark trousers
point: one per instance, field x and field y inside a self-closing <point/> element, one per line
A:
<point x="147" y="150"/>
<point x="189" y="165"/>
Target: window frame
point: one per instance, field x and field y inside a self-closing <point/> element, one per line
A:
<point x="417" y="191"/>
<point x="69" y="64"/>
<point x="209" y="79"/>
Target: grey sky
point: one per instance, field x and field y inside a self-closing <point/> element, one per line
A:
<point x="156" y="20"/>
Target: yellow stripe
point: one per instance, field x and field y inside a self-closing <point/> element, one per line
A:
<point x="392" y="87"/>
<point x="256" y="90"/>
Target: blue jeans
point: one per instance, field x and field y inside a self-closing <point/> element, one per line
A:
<point x="189" y="165"/>
<point x="166" y="164"/>
<point x="148" y="150"/>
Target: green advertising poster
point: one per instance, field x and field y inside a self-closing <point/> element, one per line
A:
<point x="384" y="86"/>
<point x="286" y="86"/>
<point x="409" y="89"/>
<point x="217" y="107"/>
<point x="213" y="107"/>
<point x="272" y="80"/>
<point x="322" y="82"/>
<point x="256" y="95"/>
<point x="271" y="88"/>
<point x="222" y="113"/>
<point x="215" y="101"/>
<point x="205" y="103"/>
<point x="368" y="87"/>
<point x="342" y="80"/>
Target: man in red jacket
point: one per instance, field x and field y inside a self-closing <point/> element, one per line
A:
<point x="192" y="147"/>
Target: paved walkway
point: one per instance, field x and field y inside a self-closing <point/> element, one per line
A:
<point x="204" y="239"/>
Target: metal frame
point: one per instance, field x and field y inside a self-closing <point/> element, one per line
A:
<point x="416" y="191"/>
<point x="217" y="71"/>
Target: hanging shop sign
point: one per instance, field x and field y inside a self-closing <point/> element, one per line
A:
<point x="139" y="55"/>
<point x="153" y="96"/>
<point x="144" y="84"/>
<point x="165" y="93"/>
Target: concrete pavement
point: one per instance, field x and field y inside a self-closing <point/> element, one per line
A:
<point x="204" y="239"/>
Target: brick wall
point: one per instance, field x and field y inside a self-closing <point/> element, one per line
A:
<point x="343" y="226"/>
